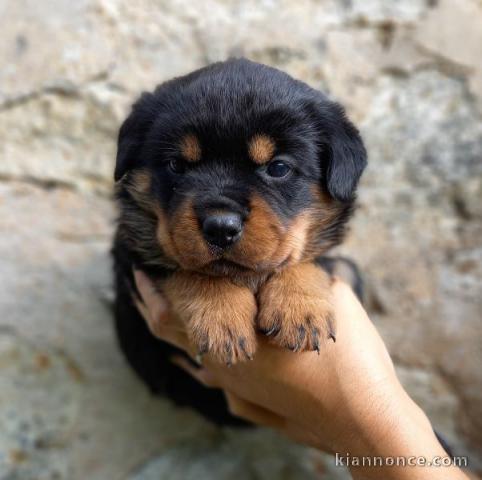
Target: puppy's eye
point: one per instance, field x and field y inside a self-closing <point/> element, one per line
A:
<point x="177" y="166"/>
<point x="278" y="169"/>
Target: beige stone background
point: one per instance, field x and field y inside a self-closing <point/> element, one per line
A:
<point x="410" y="74"/>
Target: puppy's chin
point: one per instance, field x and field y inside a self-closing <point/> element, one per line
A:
<point x="225" y="268"/>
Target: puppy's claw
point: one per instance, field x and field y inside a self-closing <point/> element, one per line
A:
<point x="272" y="331"/>
<point x="203" y="349"/>
<point x="229" y="353"/>
<point x="301" y="337"/>
<point x="315" y="333"/>
<point x="331" y="330"/>
<point x="242" y="346"/>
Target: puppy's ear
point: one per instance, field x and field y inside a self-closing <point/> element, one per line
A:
<point x="131" y="136"/>
<point x="343" y="154"/>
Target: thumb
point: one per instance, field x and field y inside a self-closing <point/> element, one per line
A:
<point x="153" y="307"/>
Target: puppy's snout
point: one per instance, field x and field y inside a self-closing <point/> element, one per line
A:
<point x="222" y="229"/>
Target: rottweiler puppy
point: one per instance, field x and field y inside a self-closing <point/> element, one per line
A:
<point x="231" y="183"/>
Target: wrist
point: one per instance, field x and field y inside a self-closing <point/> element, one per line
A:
<point x="381" y="421"/>
<point x="396" y="429"/>
<point x="386" y="424"/>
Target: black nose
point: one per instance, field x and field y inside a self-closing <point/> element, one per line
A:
<point x="222" y="229"/>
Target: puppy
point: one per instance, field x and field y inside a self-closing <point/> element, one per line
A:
<point x="231" y="182"/>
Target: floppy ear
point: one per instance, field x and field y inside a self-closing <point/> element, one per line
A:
<point x="131" y="136"/>
<point x="344" y="156"/>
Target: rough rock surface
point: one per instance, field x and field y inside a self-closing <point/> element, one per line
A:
<point x="409" y="72"/>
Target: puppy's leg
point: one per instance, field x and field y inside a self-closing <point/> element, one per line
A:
<point x="219" y="315"/>
<point x="295" y="309"/>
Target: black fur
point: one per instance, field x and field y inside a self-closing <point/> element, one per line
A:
<point x="149" y="357"/>
<point x="224" y="105"/>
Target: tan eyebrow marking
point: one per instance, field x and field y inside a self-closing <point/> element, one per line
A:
<point x="261" y="148"/>
<point x="191" y="148"/>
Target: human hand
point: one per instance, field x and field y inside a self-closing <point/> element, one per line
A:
<point x="347" y="399"/>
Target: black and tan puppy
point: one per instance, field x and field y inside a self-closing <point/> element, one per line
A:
<point x="231" y="181"/>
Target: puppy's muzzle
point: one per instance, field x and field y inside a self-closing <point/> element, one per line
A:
<point x="222" y="229"/>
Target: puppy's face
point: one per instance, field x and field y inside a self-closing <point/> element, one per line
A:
<point x="236" y="168"/>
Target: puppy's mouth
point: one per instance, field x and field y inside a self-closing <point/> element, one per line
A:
<point x="223" y="266"/>
<point x="265" y="246"/>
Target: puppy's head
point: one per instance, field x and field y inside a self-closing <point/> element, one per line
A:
<point x="236" y="167"/>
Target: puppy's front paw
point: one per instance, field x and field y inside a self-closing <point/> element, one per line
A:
<point x="295" y="310"/>
<point x="219" y="315"/>
<point x="226" y="331"/>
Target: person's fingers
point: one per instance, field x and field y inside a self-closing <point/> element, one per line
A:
<point x="168" y="331"/>
<point x="236" y="405"/>
<point x="155" y="318"/>
<point x="266" y="418"/>
<point x="152" y="299"/>
<point x="142" y="309"/>
<point x="201" y="374"/>
<point x="154" y="308"/>
<point x="253" y="413"/>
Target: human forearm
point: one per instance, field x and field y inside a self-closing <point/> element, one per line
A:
<point x="396" y="443"/>
<point x="346" y="400"/>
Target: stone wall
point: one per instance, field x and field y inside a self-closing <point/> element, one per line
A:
<point x="410" y="75"/>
